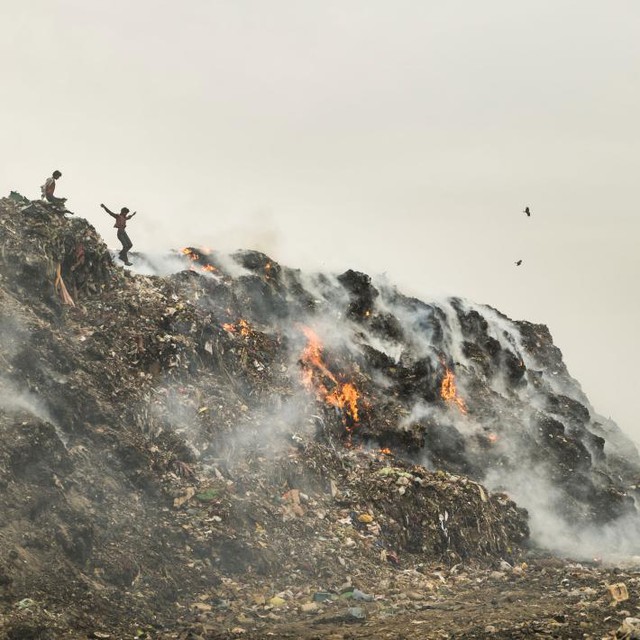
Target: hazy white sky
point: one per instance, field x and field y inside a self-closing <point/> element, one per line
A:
<point x="403" y="137"/>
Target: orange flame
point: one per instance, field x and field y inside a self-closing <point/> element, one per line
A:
<point x="195" y="256"/>
<point x="386" y="451"/>
<point x="344" y="395"/>
<point x="449" y="393"/>
<point x="192" y="255"/>
<point x="241" y="326"/>
<point x="245" y="329"/>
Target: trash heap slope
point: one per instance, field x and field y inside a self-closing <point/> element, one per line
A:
<point x="451" y="384"/>
<point x="161" y="437"/>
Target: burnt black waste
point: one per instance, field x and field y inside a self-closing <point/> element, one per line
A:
<point x="163" y="433"/>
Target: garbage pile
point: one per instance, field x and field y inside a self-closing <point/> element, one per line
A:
<point x="451" y="384"/>
<point x="172" y="447"/>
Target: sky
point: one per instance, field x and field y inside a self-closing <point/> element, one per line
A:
<point x="401" y="137"/>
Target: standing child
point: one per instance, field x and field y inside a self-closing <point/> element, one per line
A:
<point x="123" y="236"/>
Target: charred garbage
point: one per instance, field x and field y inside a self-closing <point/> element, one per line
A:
<point x="175" y="447"/>
<point x="453" y="384"/>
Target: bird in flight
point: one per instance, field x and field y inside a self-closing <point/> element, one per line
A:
<point x="527" y="211"/>
<point x="518" y="263"/>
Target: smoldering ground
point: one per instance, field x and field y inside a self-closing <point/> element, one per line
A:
<point x="517" y="421"/>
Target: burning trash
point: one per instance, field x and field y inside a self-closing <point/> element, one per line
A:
<point x="199" y="257"/>
<point x="317" y="377"/>
<point x="449" y="391"/>
<point x="241" y="327"/>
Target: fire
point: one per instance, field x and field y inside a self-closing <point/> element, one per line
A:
<point x="317" y="376"/>
<point x="312" y="358"/>
<point x="449" y="393"/>
<point x="492" y="438"/>
<point x="196" y="256"/>
<point x="241" y="326"/>
<point x="190" y="253"/>
<point x="386" y="451"/>
<point x="345" y="396"/>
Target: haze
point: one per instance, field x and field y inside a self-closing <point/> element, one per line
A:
<point x="401" y="137"/>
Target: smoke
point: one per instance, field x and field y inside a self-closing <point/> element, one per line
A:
<point x="16" y="400"/>
<point x="518" y="407"/>
<point x="12" y="335"/>
<point x="505" y="380"/>
<point x="258" y="232"/>
<point x="155" y="264"/>
<point x="165" y="264"/>
<point x="13" y="400"/>
<point x="533" y="488"/>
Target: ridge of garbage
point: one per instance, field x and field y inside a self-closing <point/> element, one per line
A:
<point x="242" y="430"/>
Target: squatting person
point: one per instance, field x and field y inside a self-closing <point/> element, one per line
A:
<point x="123" y="236"/>
<point x="49" y="187"/>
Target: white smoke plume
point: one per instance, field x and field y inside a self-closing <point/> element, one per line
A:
<point x="433" y="331"/>
<point x="15" y="400"/>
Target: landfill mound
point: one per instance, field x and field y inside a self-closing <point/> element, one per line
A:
<point x="237" y="440"/>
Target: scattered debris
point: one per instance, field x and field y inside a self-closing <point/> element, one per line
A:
<point x="166" y="464"/>
<point x="618" y="592"/>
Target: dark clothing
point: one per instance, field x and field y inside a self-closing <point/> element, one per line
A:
<point x="55" y="200"/>
<point x="123" y="236"/>
<point x="121" y="222"/>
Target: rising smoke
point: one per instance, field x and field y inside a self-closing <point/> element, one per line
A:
<point x="516" y="420"/>
<point x="16" y="399"/>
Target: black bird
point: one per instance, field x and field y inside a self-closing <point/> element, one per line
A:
<point x="518" y="263"/>
<point x="527" y="211"/>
